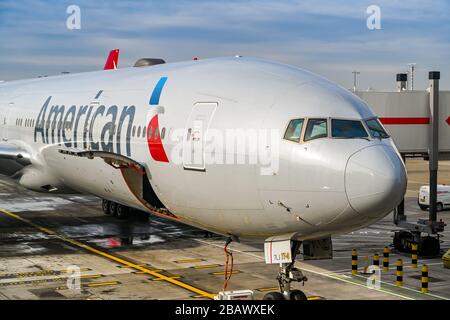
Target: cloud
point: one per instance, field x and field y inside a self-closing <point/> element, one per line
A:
<point x="325" y="36"/>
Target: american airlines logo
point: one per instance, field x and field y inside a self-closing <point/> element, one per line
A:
<point x="74" y="126"/>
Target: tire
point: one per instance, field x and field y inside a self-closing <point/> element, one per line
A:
<point x="274" y="296"/>
<point x="298" y="295"/>
<point x="439" y="206"/>
<point x="113" y="209"/>
<point x="105" y="206"/>
<point x="422" y="207"/>
<point x="123" y="212"/>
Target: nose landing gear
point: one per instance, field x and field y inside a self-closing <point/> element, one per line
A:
<point x="288" y="273"/>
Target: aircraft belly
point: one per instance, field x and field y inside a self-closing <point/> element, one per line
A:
<point x="92" y="176"/>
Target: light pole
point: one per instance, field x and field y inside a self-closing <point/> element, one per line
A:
<point x="412" y="67"/>
<point x="355" y="74"/>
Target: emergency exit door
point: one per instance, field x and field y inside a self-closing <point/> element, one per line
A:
<point x="194" y="139"/>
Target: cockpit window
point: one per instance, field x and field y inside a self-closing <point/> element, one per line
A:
<point x="376" y="129"/>
<point x="294" y="130"/>
<point x="347" y="129"/>
<point x="316" y="128"/>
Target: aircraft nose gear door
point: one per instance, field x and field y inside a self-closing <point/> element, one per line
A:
<point x="194" y="139"/>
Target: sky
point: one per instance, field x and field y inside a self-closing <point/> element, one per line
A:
<point x="330" y="38"/>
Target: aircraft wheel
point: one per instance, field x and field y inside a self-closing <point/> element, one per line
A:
<point x="439" y="206"/>
<point x="113" y="209"/>
<point x="298" y="295"/>
<point x="274" y="296"/>
<point x="105" y="206"/>
<point x="123" y="212"/>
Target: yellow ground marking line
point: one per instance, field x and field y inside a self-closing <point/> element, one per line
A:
<point x="222" y="273"/>
<point x="159" y="279"/>
<point x="189" y="260"/>
<point x="94" y="276"/>
<point x="101" y="284"/>
<point x="140" y="265"/>
<point x="206" y="266"/>
<point x="142" y="272"/>
<point x="267" y="289"/>
<point x="314" y="298"/>
<point x="111" y="257"/>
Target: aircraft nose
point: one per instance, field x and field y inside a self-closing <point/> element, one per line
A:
<point x="375" y="180"/>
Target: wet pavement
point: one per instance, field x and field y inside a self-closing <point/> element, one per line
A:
<point x="43" y="235"/>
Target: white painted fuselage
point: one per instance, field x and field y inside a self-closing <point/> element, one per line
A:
<point x="311" y="189"/>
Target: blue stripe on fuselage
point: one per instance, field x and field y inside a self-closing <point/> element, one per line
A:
<point x="154" y="99"/>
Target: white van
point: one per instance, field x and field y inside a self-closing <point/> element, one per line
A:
<point x="443" y="197"/>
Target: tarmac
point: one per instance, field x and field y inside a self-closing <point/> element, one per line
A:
<point x="46" y="241"/>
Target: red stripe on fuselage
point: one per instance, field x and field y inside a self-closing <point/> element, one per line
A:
<point x="405" y="120"/>
<point x="155" y="144"/>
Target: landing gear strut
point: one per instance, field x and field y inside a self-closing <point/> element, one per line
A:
<point x="288" y="273"/>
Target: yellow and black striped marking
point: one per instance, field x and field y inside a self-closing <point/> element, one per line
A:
<point x="414" y="256"/>
<point x="354" y="262"/>
<point x="424" y="279"/>
<point x="399" y="273"/>
<point x="376" y="260"/>
<point x="111" y="257"/>
<point x="386" y="252"/>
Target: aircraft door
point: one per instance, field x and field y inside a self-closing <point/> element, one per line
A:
<point x="194" y="139"/>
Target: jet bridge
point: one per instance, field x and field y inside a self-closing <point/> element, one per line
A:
<point x="419" y="123"/>
<point x="407" y="118"/>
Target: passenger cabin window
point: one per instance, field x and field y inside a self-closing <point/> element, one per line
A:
<point x="316" y="128"/>
<point x="347" y="129"/>
<point x="376" y="129"/>
<point x="294" y="130"/>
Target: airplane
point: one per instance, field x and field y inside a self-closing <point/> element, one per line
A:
<point x="238" y="146"/>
